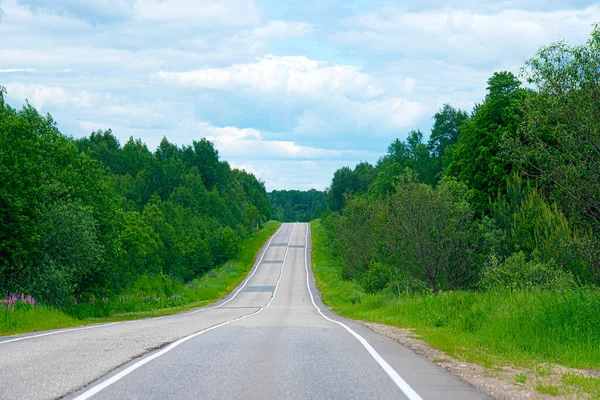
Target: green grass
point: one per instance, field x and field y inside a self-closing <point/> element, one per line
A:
<point x="548" y="389"/>
<point x="583" y="384"/>
<point x="489" y="328"/>
<point x="149" y="297"/>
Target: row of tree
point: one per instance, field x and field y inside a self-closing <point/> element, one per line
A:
<point x="296" y="205"/>
<point x="508" y="195"/>
<point x="85" y="218"/>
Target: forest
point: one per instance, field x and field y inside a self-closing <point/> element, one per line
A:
<point x="296" y="205"/>
<point x="85" y="219"/>
<point x="506" y="196"/>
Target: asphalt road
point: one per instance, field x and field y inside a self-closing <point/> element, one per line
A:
<point x="271" y="338"/>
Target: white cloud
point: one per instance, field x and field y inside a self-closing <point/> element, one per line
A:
<point x="248" y="143"/>
<point x="295" y="174"/>
<point x="288" y="74"/>
<point x="395" y="112"/>
<point x="345" y="90"/>
<point x="231" y="147"/>
<point x="466" y="36"/>
<point x="16" y="70"/>
<point x="92" y="10"/>
<point x="201" y="13"/>
<point x="228" y="133"/>
<point x="333" y="92"/>
<point x="310" y="122"/>
<point x="245" y="167"/>
<point x="134" y="111"/>
<point x="280" y="29"/>
<point x="43" y="97"/>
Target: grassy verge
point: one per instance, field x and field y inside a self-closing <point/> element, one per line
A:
<point x="492" y="329"/>
<point x="150" y="297"/>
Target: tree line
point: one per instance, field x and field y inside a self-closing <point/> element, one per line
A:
<point x="296" y="205"/>
<point x="84" y="218"/>
<point x="506" y="196"/>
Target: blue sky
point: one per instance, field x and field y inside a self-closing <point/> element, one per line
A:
<point x="288" y="90"/>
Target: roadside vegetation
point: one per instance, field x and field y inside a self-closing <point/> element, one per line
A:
<point x="93" y="228"/>
<point x="532" y="329"/>
<point x="150" y="296"/>
<point x="486" y="238"/>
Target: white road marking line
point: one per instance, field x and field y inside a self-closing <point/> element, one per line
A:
<point x="56" y="332"/>
<point x="103" y="385"/>
<point x="401" y="383"/>
<point x="257" y="265"/>
<point x="150" y="318"/>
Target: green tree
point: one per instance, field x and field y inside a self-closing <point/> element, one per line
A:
<point x="560" y="145"/>
<point x="531" y="225"/>
<point x="430" y="233"/>
<point x="444" y="133"/>
<point x="412" y="154"/>
<point x="145" y="251"/>
<point x="478" y="158"/>
<point x="341" y="184"/>
<point x="356" y="235"/>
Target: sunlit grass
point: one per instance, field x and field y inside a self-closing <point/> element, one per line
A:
<point x="489" y="328"/>
<point x="584" y="384"/>
<point x="150" y="296"/>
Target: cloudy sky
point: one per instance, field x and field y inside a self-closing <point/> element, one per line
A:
<point x="289" y="90"/>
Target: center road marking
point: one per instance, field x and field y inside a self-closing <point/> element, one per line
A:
<point x="401" y="383"/>
<point x="249" y="276"/>
<point x="103" y="385"/>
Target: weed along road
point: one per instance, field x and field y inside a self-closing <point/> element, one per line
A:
<point x="271" y="338"/>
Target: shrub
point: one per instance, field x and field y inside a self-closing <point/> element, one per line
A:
<point x="516" y="273"/>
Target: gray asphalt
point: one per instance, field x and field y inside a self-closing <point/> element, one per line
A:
<point x="266" y="340"/>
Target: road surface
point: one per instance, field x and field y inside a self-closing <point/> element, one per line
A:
<point x="271" y="338"/>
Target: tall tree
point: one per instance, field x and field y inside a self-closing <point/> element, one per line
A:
<point x="412" y="154"/>
<point x="478" y="158"/>
<point x="561" y="135"/>
<point x="444" y="134"/>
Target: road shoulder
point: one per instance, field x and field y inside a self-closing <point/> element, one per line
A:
<point x="505" y="382"/>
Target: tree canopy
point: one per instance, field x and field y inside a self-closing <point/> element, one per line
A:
<point x="87" y="217"/>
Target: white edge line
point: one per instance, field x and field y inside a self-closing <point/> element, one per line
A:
<point x="152" y="318"/>
<point x="401" y="383"/>
<point x="103" y="385"/>
<point x="57" y="332"/>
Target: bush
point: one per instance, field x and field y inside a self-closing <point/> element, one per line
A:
<point x="533" y="225"/>
<point x="516" y="273"/>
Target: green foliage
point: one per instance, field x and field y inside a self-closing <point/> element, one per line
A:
<point x="586" y="384"/>
<point x="412" y="154"/>
<point x="416" y="233"/>
<point x="525" y="170"/>
<point x="144" y="249"/>
<point x="57" y="215"/>
<point x="531" y="225"/>
<point x="478" y="158"/>
<point x="494" y="327"/>
<point x="83" y="219"/>
<point x="297" y="206"/>
<point x="516" y="273"/>
<point x="429" y="232"/>
<point x="560" y="141"/>
<point x="356" y="238"/>
<point x="147" y="296"/>
<point x="347" y="182"/>
<point x="444" y="133"/>
<point x="71" y="252"/>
